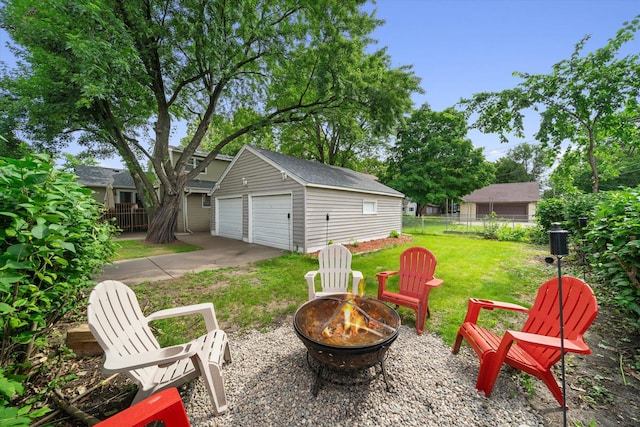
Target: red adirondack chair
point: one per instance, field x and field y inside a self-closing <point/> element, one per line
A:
<point x="415" y="281"/>
<point x="536" y="348"/>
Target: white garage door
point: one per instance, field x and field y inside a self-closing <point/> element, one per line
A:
<point x="270" y="219"/>
<point x="230" y="218"/>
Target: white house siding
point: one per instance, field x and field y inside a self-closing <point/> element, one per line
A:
<point x="347" y="223"/>
<point x="262" y="179"/>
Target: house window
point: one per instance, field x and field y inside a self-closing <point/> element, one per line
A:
<point x="126" y="196"/>
<point x="206" y="201"/>
<point x="369" y="207"/>
<point x="193" y="163"/>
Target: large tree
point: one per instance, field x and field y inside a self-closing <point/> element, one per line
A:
<point x="116" y="75"/>
<point x="522" y="163"/>
<point x="432" y="161"/>
<point x="588" y="102"/>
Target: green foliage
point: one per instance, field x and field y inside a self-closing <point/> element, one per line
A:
<point x="394" y="234"/>
<point x="52" y="242"/>
<point x="11" y="387"/>
<point x="516" y="233"/>
<point x="549" y="211"/>
<point x="613" y="247"/>
<point x="589" y="100"/>
<point x="433" y="161"/>
<point x="523" y="163"/>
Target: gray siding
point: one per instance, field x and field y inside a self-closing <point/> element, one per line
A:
<point x="198" y="216"/>
<point x="262" y="179"/>
<point x="346" y="222"/>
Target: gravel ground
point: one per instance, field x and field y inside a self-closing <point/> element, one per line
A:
<point x="269" y="383"/>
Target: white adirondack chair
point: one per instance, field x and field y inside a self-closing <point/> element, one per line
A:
<point x="117" y="323"/>
<point x="334" y="270"/>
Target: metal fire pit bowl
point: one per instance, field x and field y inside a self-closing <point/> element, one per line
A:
<point x="366" y="349"/>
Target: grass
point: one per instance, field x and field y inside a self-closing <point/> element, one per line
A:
<point x="130" y="249"/>
<point x="264" y="294"/>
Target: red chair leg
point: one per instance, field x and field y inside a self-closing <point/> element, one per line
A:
<point x="421" y="315"/>
<point x="552" y="384"/>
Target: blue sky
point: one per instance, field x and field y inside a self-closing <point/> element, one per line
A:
<point x="461" y="47"/>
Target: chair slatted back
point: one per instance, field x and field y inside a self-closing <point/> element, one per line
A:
<point x="334" y="268"/>
<point x="579" y="309"/>
<point x="417" y="267"/>
<point x="118" y="324"/>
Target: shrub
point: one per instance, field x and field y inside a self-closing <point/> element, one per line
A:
<point x="512" y="234"/>
<point x="612" y="243"/>
<point x="52" y="243"/>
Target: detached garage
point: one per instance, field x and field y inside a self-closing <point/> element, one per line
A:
<point x="298" y="205"/>
<point x="515" y="201"/>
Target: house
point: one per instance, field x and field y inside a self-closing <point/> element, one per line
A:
<point x="194" y="214"/>
<point x="116" y="189"/>
<point x="285" y="202"/>
<point x="517" y="201"/>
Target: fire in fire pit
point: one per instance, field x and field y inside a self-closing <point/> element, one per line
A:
<point x="346" y="332"/>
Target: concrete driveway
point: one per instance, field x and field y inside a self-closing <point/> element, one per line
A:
<point x="216" y="252"/>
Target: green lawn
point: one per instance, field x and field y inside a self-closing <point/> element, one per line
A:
<point x="267" y="292"/>
<point x="130" y="249"/>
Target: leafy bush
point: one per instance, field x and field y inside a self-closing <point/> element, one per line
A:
<point x="52" y="243"/>
<point x="550" y="211"/>
<point x="567" y="212"/>
<point x="512" y="234"/>
<point x="612" y="243"/>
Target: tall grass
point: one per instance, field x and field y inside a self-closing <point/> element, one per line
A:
<point x="269" y="292"/>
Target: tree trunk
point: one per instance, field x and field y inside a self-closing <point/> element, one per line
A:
<point x="595" y="184"/>
<point x="163" y="225"/>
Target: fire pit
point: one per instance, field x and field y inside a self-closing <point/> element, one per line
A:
<point x="344" y="332"/>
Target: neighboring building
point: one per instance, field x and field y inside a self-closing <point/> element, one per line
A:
<point x="517" y="201"/>
<point x="429" y="209"/>
<point x="116" y="189"/>
<point x="99" y="179"/>
<point x="285" y="202"/>
<point x="194" y="213"/>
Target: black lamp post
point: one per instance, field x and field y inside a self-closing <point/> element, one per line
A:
<point x="558" y="246"/>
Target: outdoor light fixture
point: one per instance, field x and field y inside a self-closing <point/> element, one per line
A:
<point x="284" y="175"/>
<point x="245" y="181"/>
<point x="558" y="246"/>
<point x="582" y="221"/>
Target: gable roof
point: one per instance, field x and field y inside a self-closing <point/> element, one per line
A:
<point x="100" y="177"/>
<point x="514" y="192"/>
<point x="316" y="174"/>
<point x="97" y="176"/>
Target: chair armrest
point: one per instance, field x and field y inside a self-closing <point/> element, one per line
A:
<point x="310" y="276"/>
<point x="357" y="277"/>
<point x="382" y="280"/>
<point x="435" y="282"/>
<point x="160" y="356"/>
<point x="574" y="346"/>
<point x="206" y="309"/>
<point x="475" y="304"/>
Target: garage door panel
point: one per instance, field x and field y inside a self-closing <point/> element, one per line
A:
<point x="271" y="221"/>
<point x="230" y="218"/>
